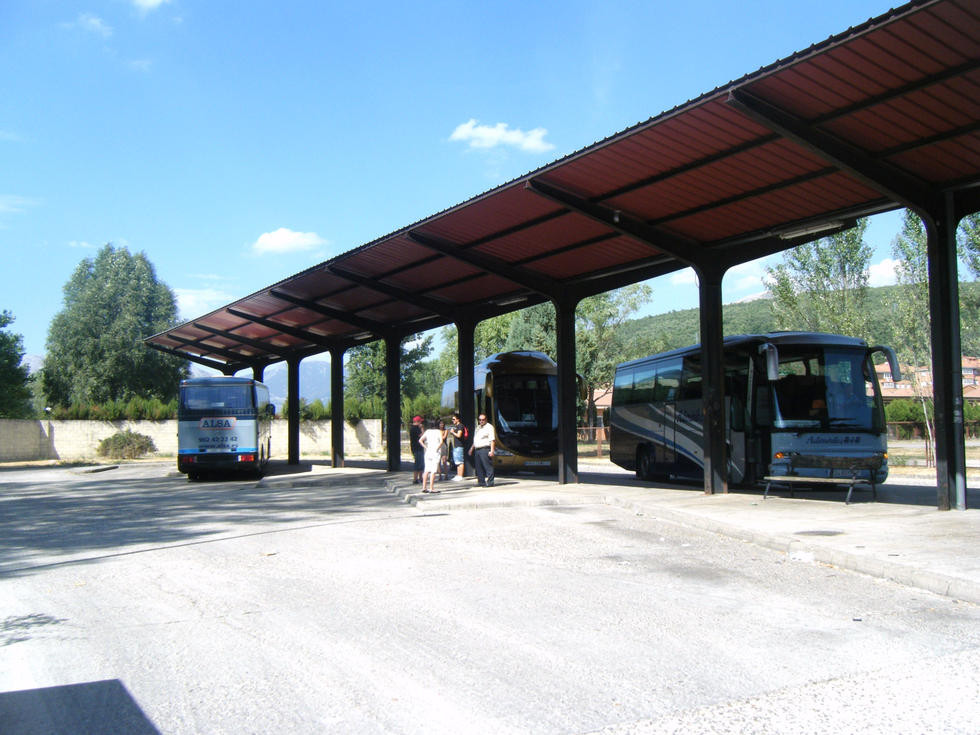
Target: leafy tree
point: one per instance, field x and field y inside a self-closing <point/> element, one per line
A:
<point x="366" y="369"/>
<point x="489" y="337"/>
<point x="969" y="241"/>
<point x="15" y="392"/>
<point x="914" y="333"/>
<point x="599" y="343"/>
<point x="533" y="328"/>
<point x="969" y="247"/>
<point x="95" y="349"/>
<point x="822" y="286"/>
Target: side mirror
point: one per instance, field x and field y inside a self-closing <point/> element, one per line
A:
<point x="270" y="409"/>
<point x="772" y="360"/>
<point x="889" y="354"/>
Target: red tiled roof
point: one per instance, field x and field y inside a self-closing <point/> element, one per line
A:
<point x="869" y="120"/>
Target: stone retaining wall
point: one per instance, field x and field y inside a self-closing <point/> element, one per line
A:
<point x="24" y="440"/>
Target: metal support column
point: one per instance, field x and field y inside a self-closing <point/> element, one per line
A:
<point x="947" y="361"/>
<point x="713" y="380"/>
<point x="292" y="418"/>
<point x="567" y="391"/>
<point x="464" y="359"/>
<point x="258" y="371"/>
<point x="337" y="406"/>
<point x="393" y="402"/>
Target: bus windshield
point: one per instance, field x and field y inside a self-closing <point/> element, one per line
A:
<point x="524" y="404"/>
<point x="827" y="387"/>
<point x="216" y="397"/>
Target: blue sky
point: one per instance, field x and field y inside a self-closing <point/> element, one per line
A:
<point x="237" y="143"/>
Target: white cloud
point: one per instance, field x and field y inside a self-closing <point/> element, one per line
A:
<point x="883" y="273"/>
<point x="285" y="240"/>
<point x="140" y="65"/>
<point x="80" y="244"/>
<point x="684" y="277"/>
<point x="93" y="24"/>
<point x="743" y="282"/>
<point x="192" y="302"/>
<point x="13" y="204"/>
<point x="145" y="6"/>
<point x="484" y="136"/>
<point x="747" y="277"/>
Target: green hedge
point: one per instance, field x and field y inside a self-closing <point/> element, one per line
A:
<point x="135" y="409"/>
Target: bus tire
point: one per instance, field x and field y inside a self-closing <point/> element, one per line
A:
<point x="644" y="464"/>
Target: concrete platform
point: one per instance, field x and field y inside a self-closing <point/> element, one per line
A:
<point x="902" y="537"/>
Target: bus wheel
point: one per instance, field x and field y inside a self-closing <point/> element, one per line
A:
<point x="193" y="477"/>
<point x="644" y="464"/>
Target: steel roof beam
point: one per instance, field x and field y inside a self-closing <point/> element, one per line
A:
<point x="227" y="334"/>
<point x="521" y="276"/>
<point x="890" y="181"/>
<point x="617" y="278"/>
<point x="339" y="314"/>
<point x="439" y="307"/>
<point x="299" y="333"/>
<point x="197" y="344"/>
<point x="213" y="364"/>
<point x="688" y="251"/>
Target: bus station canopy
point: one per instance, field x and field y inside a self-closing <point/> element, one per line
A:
<point x="883" y="115"/>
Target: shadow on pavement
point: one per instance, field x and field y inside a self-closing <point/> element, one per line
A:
<point x="81" y="709"/>
<point x="45" y="521"/>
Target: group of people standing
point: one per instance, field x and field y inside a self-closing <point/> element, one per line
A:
<point x="440" y="450"/>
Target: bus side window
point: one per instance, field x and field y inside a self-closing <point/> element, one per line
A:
<point x="643" y="384"/>
<point x="668" y="381"/>
<point x="623" y="387"/>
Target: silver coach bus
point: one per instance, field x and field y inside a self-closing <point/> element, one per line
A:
<point x="518" y="392"/>
<point x="223" y="423"/>
<point x="786" y="394"/>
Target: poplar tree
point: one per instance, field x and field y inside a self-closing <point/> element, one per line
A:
<point x="911" y="308"/>
<point x="822" y="286"/>
<point x="95" y="350"/>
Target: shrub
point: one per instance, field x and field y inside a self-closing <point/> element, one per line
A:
<point x="316" y="411"/>
<point x="903" y="409"/>
<point x="126" y="445"/>
<point x="355" y="410"/>
<point x="428" y="407"/>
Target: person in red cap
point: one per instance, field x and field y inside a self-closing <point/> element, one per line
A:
<point x="418" y="452"/>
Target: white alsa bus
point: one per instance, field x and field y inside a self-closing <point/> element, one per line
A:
<point x="786" y="393"/>
<point x="223" y="423"/>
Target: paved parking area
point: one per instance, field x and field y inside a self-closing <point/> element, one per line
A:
<point x="325" y="601"/>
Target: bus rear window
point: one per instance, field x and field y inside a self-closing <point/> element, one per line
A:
<point x="215" y="397"/>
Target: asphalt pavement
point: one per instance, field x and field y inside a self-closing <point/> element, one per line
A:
<point x="901" y="536"/>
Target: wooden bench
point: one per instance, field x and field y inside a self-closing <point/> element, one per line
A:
<point x="862" y="469"/>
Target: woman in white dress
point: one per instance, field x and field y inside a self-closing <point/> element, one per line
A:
<point x="430" y="441"/>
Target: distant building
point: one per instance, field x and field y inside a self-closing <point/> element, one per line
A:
<point x="891" y="390"/>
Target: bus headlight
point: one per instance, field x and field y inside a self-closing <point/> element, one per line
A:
<point x="502" y="453"/>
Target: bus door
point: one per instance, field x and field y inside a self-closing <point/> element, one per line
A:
<point x="736" y="390"/>
<point x="665" y="406"/>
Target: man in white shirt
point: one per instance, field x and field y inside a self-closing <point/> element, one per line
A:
<point x="484" y="441"/>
